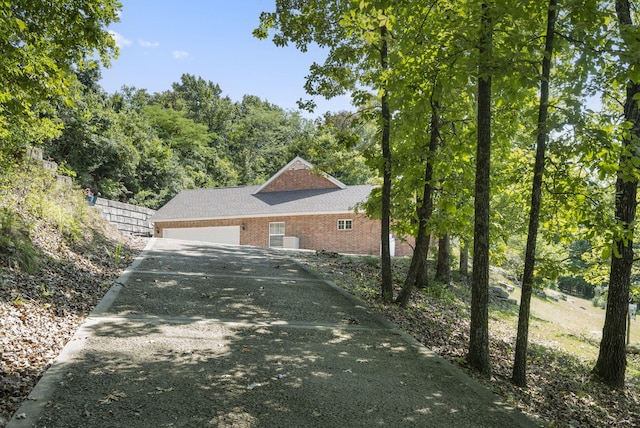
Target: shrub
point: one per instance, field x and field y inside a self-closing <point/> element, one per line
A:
<point x="16" y="248"/>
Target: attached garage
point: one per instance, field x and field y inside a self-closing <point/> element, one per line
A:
<point x="296" y="208"/>
<point x="216" y="235"/>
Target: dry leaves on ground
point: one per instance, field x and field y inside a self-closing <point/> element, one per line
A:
<point x="40" y="313"/>
<point x="560" y="393"/>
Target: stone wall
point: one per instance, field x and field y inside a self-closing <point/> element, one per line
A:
<point x="131" y="219"/>
<point x="35" y="153"/>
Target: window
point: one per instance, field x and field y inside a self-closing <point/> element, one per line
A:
<point x="276" y="234"/>
<point x="345" y="224"/>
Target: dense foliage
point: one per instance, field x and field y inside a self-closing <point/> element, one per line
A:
<point x="144" y="149"/>
<point x="486" y="80"/>
<point x="42" y="42"/>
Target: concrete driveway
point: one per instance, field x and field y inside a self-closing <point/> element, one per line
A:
<point x="199" y="335"/>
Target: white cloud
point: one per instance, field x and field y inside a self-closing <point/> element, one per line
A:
<point x="147" y="44"/>
<point x="180" y="54"/>
<point x="120" y="40"/>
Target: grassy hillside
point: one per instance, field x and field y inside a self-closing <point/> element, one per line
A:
<point x="57" y="259"/>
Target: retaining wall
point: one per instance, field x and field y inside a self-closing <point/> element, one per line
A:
<point x="128" y="218"/>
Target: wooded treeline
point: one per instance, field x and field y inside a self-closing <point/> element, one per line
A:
<point x="144" y="148"/>
<point x="478" y="118"/>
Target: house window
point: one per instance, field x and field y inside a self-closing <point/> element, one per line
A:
<point x="344" y="224"/>
<point x="276" y="234"/>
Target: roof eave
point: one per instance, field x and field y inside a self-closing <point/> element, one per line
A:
<point x="246" y="216"/>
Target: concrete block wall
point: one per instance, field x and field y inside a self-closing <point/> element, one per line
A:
<point x="131" y="219"/>
<point x="35" y="153"/>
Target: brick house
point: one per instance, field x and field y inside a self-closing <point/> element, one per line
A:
<point x="296" y="208"/>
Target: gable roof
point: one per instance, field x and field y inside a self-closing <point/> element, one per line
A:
<point x="294" y="190"/>
<point x="298" y="175"/>
<point x="245" y="202"/>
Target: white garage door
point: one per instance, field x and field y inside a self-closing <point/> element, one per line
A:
<point x="217" y="235"/>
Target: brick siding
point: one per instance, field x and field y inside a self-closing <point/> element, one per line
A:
<point x="315" y="232"/>
<point x="298" y="179"/>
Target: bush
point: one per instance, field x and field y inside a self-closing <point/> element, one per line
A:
<point x="51" y="204"/>
<point x="16" y="248"/>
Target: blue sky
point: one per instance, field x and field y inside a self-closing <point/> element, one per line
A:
<point x="161" y="39"/>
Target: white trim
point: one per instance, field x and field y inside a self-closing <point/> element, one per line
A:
<point x="305" y="163"/>
<point x="284" y="224"/>
<point x="255" y="216"/>
<point x="344" y="223"/>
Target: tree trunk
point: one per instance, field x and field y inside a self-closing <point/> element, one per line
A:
<point x="519" y="376"/>
<point x="418" y="263"/>
<point x="612" y="358"/>
<point x="422" y="280"/>
<point x="443" y="265"/>
<point x="387" y="279"/>
<point x="418" y="267"/>
<point x="464" y="257"/>
<point x="478" y="356"/>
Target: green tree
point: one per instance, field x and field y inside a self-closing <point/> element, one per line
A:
<point x="201" y="101"/>
<point x="443" y="261"/>
<point x="542" y="132"/>
<point x="357" y="35"/>
<point x="42" y="42"/>
<point x="417" y="269"/>
<point x="186" y="139"/>
<point x="478" y="355"/>
<point x="94" y="141"/>
<point x="611" y="363"/>
<point x="385" y="142"/>
<point x="336" y="144"/>
<point x="261" y="138"/>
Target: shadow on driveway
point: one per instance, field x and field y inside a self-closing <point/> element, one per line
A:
<point x="201" y="335"/>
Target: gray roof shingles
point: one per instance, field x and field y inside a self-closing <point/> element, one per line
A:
<point x="241" y="202"/>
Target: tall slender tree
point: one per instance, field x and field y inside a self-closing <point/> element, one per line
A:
<point x="611" y="363"/>
<point x="443" y="262"/>
<point x="478" y="355"/>
<point x="425" y="209"/>
<point x="385" y="230"/>
<point x="542" y="132"/>
<point x="357" y="35"/>
<point x="464" y="257"/>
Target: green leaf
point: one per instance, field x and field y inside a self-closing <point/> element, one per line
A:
<point x="21" y="25"/>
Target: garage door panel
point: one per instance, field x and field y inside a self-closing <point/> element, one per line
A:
<point x="217" y="235"/>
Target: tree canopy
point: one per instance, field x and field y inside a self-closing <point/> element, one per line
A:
<point x="42" y="43"/>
